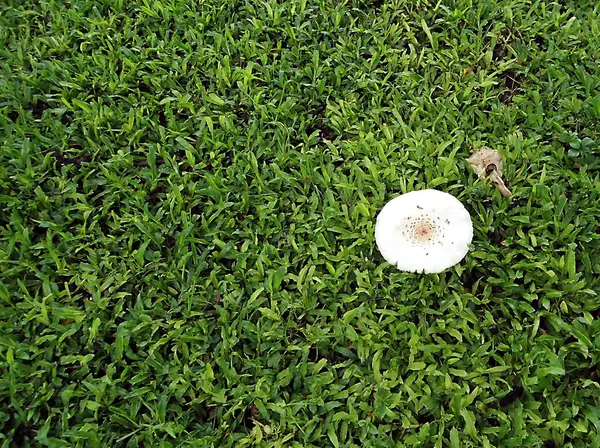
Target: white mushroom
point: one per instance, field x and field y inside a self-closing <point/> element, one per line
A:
<point x="424" y="231"/>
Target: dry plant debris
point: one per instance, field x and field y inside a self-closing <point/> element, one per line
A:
<point x="487" y="162"/>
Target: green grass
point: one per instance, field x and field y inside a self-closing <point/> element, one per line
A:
<point x="188" y="193"/>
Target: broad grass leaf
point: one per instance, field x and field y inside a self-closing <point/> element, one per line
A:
<point x="545" y="371"/>
<point x="333" y="436"/>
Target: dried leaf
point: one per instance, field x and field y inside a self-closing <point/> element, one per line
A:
<point x="488" y="162"/>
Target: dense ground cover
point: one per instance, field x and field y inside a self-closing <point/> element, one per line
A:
<point x="187" y="203"/>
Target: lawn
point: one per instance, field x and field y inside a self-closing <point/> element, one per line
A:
<point x="188" y="195"/>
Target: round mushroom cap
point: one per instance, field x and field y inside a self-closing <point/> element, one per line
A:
<point x="424" y="231"/>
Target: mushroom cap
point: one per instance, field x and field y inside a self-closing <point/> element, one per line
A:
<point x="424" y="231"/>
